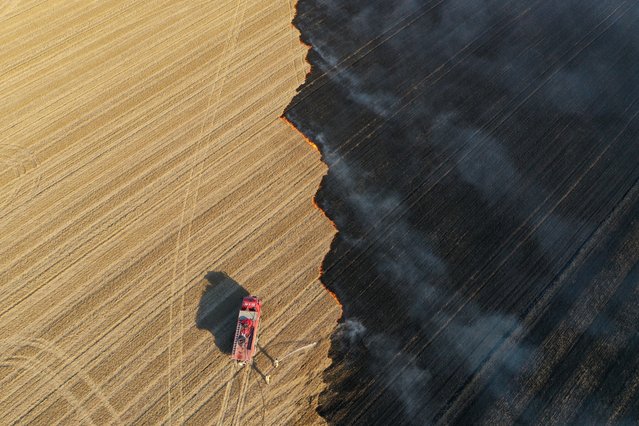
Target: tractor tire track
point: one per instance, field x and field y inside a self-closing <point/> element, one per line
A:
<point x="225" y="398"/>
<point x="239" y="406"/>
<point x="181" y="259"/>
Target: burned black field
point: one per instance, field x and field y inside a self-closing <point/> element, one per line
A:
<point x="483" y="165"/>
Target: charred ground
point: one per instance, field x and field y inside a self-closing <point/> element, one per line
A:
<point x="483" y="166"/>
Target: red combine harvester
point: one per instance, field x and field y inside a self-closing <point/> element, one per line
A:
<point x="248" y="322"/>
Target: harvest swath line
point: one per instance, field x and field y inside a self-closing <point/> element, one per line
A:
<point x="266" y="208"/>
<point x="106" y="74"/>
<point x="164" y="51"/>
<point x="513" y="332"/>
<point x="406" y="100"/>
<point x="539" y="308"/>
<point x="625" y="400"/>
<point x="44" y="346"/>
<point x="13" y="35"/>
<point x="18" y="51"/>
<point x="381" y="122"/>
<point x="87" y="184"/>
<point x="572" y="393"/>
<point x="229" y="233"/>
<point x="26" y="5"/>
<point x="367" y="48"/>
<point x="240" y="134"/>
<point x="128" y="95"/>
<point x="109" y="206"/>
<point x="7" y="7"/>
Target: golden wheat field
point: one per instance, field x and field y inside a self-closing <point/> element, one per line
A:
<point x="147" y="182"/>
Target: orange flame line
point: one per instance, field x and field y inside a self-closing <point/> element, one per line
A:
<point x="314" y="146"/>
<point x="302" y="135"/>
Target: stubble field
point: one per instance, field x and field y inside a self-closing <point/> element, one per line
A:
<point x="147" y="183"/>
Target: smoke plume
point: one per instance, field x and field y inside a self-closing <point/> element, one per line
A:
<point x="473" y="147"/>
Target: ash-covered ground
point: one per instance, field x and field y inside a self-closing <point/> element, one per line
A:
<point x="483" y="165"/>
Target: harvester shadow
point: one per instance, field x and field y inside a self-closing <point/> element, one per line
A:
<point x="219" y="304"/>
